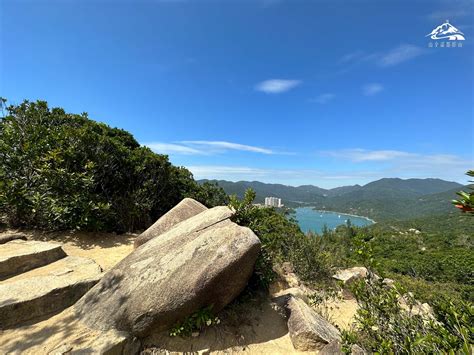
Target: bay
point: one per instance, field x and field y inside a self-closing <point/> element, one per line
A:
<point x="310" y="219"/>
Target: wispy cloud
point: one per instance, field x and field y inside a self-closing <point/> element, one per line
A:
<point x="399" y="55"/>
<point x="358" y="155"/>
<point x="171" y="148"/>
<point x="323" y="98"/>
<point x="392" y="57"/>
<point x="353" y="56"/>
<point x="406" y="164"/>
<point x="372" y="89"/>
<point x="276" y="86"/>
<point x="200" y="147"/>
<point x="222" y="145"/>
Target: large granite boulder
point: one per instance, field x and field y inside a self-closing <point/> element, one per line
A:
<point x="205" y="260"/>
<point x="185" y="209"/>
<point x="308" y="330"/>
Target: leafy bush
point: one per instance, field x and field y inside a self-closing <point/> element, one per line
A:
<point x="65" y="171"/>
<point x="195" y="322"/>
<point x="466" y="201"/>
<point x="384" y="326"/>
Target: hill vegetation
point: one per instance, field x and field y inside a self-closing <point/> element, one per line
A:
<point x="385" y="199"/>
<point x="66" y="171"/>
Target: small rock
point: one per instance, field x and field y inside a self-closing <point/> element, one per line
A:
<point x="308" y="330"/>
<point x="351" y="274"/>
<point x="357" y="350"/>
<point x="195" y="334"/>
<point x="333" y="348"/>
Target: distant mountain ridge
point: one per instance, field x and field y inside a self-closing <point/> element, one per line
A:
<point x="387" y="198"/>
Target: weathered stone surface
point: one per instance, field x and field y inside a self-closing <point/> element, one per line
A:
<point x="111" y="342"/>
<point x="357" y="350"/>
<point x="333" y="348"/>
<point x="349" y="275"/>
<point x="56" y="286"/>
<point x="308" y="330"/>
<point x="205" y="260"/>
<point x="18" y="256"/>
<point x="5" y="238"/>
<point x="185" y="209"/>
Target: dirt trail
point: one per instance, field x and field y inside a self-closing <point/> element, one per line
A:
<point x="257" y="329"/>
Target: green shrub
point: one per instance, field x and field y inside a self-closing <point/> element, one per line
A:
<point x="384" y="326"/>
<point x="195" y="322"/>
<point x="65" y="171"/>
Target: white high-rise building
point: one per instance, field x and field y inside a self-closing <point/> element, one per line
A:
<point x="273" y="202"/>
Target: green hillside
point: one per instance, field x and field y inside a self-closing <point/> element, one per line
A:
<point x="384" y="199"/>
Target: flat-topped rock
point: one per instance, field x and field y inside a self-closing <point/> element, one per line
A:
<point x="46" y="290"/>
<point x="18" y="256"/>
<point x="187" y="208"/>
<point x="203" y="261"/>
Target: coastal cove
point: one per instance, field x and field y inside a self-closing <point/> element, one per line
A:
<point x="310" y="219"/>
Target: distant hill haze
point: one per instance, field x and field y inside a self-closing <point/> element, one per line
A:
<point x="388" y="198"/>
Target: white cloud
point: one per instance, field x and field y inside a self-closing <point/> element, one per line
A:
<point x="399" y="55"/>
<point x="276" y="86"/>
<point x="395" y="163"/>
<point x="205" y="148"/>
<point x="221" y="145"/>
<point x="324" y="98"/>
<point x="358" y="155"/>
<point x="372" y="89"/>
<point x="170" y="148"/>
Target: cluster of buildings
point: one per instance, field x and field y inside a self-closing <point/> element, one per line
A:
<point x="273" y="202"/>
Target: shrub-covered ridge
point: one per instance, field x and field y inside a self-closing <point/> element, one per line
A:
<point x="66" y="171"/>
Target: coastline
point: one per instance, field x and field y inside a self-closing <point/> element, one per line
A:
<point x="341" y="213"/>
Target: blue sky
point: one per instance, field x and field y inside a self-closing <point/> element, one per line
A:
<point x="321" y="92"/>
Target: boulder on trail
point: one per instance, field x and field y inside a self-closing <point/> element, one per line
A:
<point x="308" y="330"/>
<point x="185" y="209"/>
<point x="202" y="261"/>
